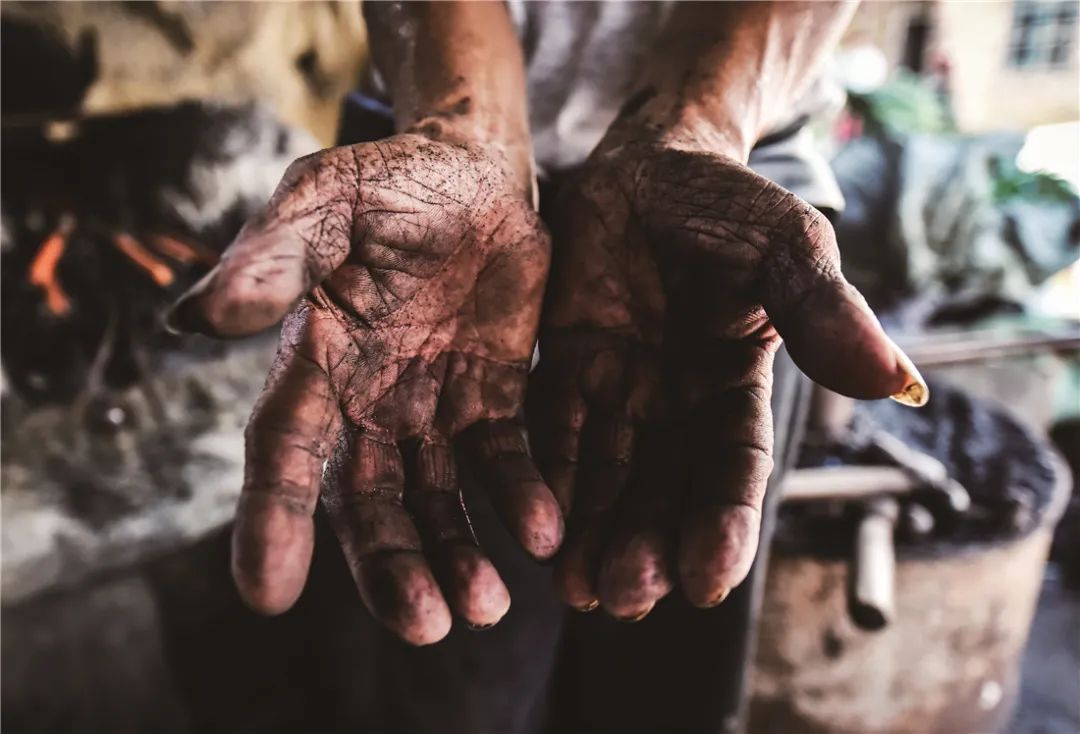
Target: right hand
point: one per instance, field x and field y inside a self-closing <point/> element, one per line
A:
<point x="412" y="272"/>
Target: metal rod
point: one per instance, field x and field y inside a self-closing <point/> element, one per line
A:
<point x="955" y="348"/>
<point x="847" y="483"/>
<point x="872" y="599"/>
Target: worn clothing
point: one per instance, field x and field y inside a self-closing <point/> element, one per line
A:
<point x="543" y="667"/>
<point x="583" y="60"/>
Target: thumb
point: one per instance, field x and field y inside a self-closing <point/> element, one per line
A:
<point x="830" y="331"/>
<point x="301" y="236"/>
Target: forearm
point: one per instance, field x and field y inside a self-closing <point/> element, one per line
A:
<point x="456" y="73"/>
<point x="723" y="73"/>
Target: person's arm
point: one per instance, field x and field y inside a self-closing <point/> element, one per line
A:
<point x="676" y="272"/>
<point x="455" y="73"/>
<point x="410" y="272"/>
<point x="724" y="73"/>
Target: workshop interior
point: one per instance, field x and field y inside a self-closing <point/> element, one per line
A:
<point x="923" y="574"/>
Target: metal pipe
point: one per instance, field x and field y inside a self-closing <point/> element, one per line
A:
<point x="943" y="349"/>
<point x="872" y="597"/>
<point x="847" y="483"/>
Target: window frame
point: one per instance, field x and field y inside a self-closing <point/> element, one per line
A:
<point x="1039" y="31"/>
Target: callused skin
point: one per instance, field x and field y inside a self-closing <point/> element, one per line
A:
<point x="412" y="270"/>
<point x="423" y="267"/>
<point x="676" y="272"/>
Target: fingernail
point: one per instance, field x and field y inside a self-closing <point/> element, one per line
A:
<point x="589" y="607"/>
<point x="176" y="320"/>
<point x="186" y="315"/>
<point x="915" y="392"/>
<point x="638" y="617"/>
<point x="185" y="318"/>
<point x="716" y="600"/>
<point x="171" y="324"/>
<point x="478" y="627"/>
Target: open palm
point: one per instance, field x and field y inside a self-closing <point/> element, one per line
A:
<point x="419" y="268"/>
<point x="675" y="275"/>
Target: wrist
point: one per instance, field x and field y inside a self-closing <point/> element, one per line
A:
<point x="666" y="121"/>
<point x="512" y="153"/>
<point x="722" y="73"/>
<point x="697" y="129"/>
<point x="456" y="74"/>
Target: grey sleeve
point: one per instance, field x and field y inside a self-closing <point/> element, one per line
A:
<point x="795" y="162"/>
<point x="790" y="156"/>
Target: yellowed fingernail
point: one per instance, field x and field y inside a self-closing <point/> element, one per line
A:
<point x="715" y="601"/>
<point x="590" y="606"/>
<point x="915" y="392"/>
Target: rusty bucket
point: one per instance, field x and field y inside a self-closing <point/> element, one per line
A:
<point x="947" y="661"/>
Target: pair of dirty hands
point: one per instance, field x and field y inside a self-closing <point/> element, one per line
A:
<point x="411" y="274"/>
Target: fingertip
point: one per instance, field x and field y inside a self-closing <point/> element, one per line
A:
<point x="227" y="314"/>
<point x="837" y="341"/>
<point x="247" y="292"/>
<point x="271" y="554"/>
<point x="499" y="456"/>
<point x="709" y="603"/>
<point x="635" y="616"/>
<point x="401" y="592"/>
<point x="473" y="586"/>
<point x="574" y="589"/>
<point x="176" y="324"/>
<point x="717" y="550"/>
<point x="915" y="392"/>
<point x="186" y="315"/>
<point x="634" y="575"/>
<point x="576" y="570"/>
<point x="266" y="598"/>
<point x="432" y="631"/>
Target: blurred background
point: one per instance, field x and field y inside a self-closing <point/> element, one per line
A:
<point x="925" y="574"/>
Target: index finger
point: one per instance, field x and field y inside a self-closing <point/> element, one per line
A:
<point x="291" y="432"/>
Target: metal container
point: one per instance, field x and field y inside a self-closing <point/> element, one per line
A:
<point x="948" y="661"/>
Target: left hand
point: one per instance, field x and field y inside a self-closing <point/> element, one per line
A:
<point x="675" y="275"/>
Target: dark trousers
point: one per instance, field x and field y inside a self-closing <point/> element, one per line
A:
<point x="544" y="668"/>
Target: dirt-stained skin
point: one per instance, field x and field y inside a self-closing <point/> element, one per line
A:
<point x="423" y="267"/>
<point x="412" y="272"/>
<point x="675" y="274"/>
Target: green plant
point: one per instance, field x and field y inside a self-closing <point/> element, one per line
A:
<point x="905" y="104"/>
<point x="1010" y="182"/>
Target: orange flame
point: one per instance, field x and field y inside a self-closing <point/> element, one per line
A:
<point x="158" y="271"/>
<point x="183" y="251"/>
<point x="43" y="271"/>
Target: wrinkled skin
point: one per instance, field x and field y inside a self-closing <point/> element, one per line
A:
<point x="419" y="268"/>
<point x="674" y="276"/>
